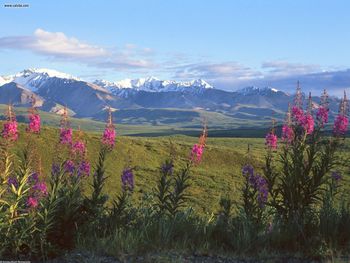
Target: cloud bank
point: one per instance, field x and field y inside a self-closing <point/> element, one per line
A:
<point x="228" y="75"/>
<point x="61" y="47"/>
<point x="279" y="74"/>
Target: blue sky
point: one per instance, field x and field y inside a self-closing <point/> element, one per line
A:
<point x="229" y="43"/>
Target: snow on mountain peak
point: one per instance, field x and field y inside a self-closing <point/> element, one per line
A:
<point x="54" y="73"/>
<point x="3" y="81"/>
<point x="201" y="83"/>
<point x="44" y="72"/>
<point x="34" y="78"/>
<point x="151" y="78"/>
<point x="256" y="90"/>
<point x="152" y="84"/>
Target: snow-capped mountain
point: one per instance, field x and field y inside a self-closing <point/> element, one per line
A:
<point x="33" y="79"/>
<point x="256" y="90"/>
<point x="152" y="84"/>
<point x="53" y="90"/>
<point x="2" y="81"/>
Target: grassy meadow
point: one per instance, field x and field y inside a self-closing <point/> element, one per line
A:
<point x="155" y="125"/>
<point x="223" y="214"/>
<point x="219" y="173"/>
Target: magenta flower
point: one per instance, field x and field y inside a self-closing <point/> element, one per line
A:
<point x="32" y="202"/>
<point x="323" y="110"/>
<point x="340" y="125"/>
<point x="108" y="137"/>
<point x="297" y="114"/>
<point x="40" y="188"/>
<point x="308" y="123"/>
<point x="79" y="147"/>
<point x="322" y="115"/>
<point x="66" y="136"/>
<point x="84" y="169"/>
<point x="196" y="153"/>
<point x="34" y="123"/>
<point x="10" y="130"/>
<point x="271" y="140"/>
<point x="287" y="134"/>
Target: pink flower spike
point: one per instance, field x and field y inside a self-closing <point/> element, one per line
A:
<point x="308" y="123"/>
<point x="341" y="122"/>
<point x="196" y="153"/>
<point x="41" y="188"/>
<point x="34" y="123"/>
<point x="32" y="202"/>
<point x="79" y="148"/>
<point x="10" y="130"/>
<point x="297" y="114"/>
<point x="340" y="125"/>
<point x="287" y="134"/>
<point x="322" y="115"/>
<point x="66" y="136"/>
<point x="108" y="137"/>
<point x="271" y="140"/>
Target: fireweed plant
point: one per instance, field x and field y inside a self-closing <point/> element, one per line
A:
<point x="294" y="194"/>
<point x="21" y="193"/>
<point x="289" y="204"/>
<point x="34" y="124"/>
<point x="171" y="191"/>
<point x="119" y="216"/>
<point x="95" y="205"/>
<point x="298" y="175"/>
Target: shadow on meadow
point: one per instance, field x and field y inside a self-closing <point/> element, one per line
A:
<point x="287" y="209"/>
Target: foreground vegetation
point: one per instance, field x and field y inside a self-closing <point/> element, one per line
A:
<point x="140" y="194"/>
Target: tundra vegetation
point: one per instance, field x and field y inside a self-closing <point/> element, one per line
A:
<point x="290" y="198"/>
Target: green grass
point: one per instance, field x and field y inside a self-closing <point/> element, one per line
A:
<point x="218" y="174"/>
<point x="158" y="122"/>
<point x="200" y="231"/>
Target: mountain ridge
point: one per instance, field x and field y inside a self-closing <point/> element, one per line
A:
<point x="55" y="90"/>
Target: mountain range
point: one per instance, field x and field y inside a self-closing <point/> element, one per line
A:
<point x="145" y="100"/>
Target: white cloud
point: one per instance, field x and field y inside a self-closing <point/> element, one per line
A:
<point x="282" y="75"/>
<point x="281" y="68"/>
<point x="211" y="71"/>
<point x="59" y="46"/>
<point x="142" y="60"/>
